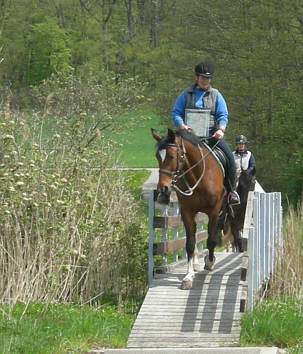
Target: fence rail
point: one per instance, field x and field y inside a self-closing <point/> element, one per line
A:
<point x="262" y="237"/>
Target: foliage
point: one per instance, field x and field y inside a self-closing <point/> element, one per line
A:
<point x="48" y="52"/>
<point x="93" y="102"/>
<point x="64" y="215"/>
<point x="159" y="42"/>
<point x="58" y="328"/>
<point x="288" y="276"/>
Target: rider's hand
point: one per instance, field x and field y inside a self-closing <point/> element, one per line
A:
<point x="184" y="126"/>
<point x="218" y="134"/>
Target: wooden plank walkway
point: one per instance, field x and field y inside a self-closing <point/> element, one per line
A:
<point x="206" y="316"/>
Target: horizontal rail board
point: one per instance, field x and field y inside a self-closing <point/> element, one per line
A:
<point x="173" y="245"/>
<point x="165" y="222"/>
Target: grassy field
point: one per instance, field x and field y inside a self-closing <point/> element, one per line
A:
<point x="137" y="144"/>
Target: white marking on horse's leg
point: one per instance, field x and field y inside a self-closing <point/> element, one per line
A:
<point x="208" y="264"/>
<point x="196" y="265"/>
<point x="187" y="281"/>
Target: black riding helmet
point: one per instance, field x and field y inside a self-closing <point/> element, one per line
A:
<point x="241" y="139"/>
<point x="205" y="68"/>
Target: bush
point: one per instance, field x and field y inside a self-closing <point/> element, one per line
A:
<point x="69" y="227"/>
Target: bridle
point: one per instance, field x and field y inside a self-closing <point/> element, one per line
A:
<point x="177" y="174"/>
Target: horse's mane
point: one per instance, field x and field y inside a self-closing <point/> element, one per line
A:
<point x="186" y="135"/>
<point x="189" y="136"/>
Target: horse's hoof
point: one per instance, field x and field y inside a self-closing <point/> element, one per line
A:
<point x="186" y="284"/>
<point x="197" y="267"/>
<point x="208" y="264"/>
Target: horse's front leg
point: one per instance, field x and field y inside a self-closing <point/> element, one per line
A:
<point x="237" y="238"/>
<point x="191" y="249"/>
<point x="211" y="240"/>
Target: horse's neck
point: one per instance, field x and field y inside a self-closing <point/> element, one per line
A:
<point x="243" y="193"/>
<point x="193" y="155"/>
<point x="192" y="152"/>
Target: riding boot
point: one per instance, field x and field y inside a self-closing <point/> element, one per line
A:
<point x="233" y="196"/>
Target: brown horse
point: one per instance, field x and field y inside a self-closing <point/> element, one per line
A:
<point x="190" y="168"/>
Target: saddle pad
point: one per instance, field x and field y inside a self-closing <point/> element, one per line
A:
<point x="215" y="154"/>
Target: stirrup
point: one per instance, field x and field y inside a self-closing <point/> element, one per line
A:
<point x="233" y="198"/>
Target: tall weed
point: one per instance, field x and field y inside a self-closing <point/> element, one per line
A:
<point x="288" y="276"/>
<point x="69" y="228"/>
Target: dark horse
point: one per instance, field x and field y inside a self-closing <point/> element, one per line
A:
<point x="234" y="221"/>
<point x="191" y="169"/>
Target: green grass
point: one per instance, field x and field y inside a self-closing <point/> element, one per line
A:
<point x="274" y="322"/>
<point x="59" y="328"/>
<point x="138" y="145"/>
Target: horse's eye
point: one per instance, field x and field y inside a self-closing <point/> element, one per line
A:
<point x="170" y="157"/>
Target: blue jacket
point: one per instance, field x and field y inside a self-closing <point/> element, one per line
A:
<point x="178" y="112"/>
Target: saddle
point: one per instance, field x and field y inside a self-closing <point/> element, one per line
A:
<point x="218" y="154"/>
<point x="221" y="156"/>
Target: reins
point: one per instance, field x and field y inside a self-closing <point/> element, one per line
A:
<point x="176" y="174"/>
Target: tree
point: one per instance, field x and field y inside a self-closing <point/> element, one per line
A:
<point x="47" y="51"/>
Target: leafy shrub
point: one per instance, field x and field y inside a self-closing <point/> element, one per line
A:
<point x="69" y="226"/>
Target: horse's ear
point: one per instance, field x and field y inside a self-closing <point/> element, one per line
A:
<point x="170" y="136"/>
<point x="253" y="172"/>
<point x="155" y="135"/>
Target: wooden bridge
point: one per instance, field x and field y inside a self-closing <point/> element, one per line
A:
<point x="208" y="315"/>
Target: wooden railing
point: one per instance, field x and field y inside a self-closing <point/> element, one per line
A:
<point x="170" y="242"/>
<point x="262" y="238"/>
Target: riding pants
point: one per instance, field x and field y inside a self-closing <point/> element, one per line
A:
<point x="231" y="166"/>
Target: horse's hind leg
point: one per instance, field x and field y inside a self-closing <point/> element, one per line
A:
<point x="192" y="256"/>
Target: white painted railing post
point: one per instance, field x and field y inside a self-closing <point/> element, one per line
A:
<point x="175" y="230"/>
<point x="164" y="209"/>
<point x="151" y="236"/>
<point x="264" y="239"/>
<point x="256" y="244"/>
<point x="251" y="269"/>
<point x="263" y="218"/>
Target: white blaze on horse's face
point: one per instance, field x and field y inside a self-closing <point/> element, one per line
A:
<point x="162" y="154"/>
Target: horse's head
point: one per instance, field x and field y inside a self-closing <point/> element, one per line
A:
<point x="247" y="181"/>
<point x="168" y="156"/>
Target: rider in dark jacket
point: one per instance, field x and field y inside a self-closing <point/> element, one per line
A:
<point x="202" y="95"/>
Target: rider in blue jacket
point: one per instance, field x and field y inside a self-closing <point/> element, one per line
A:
<point x="202" y="95"/>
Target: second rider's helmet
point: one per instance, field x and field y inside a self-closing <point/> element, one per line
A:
<point x="241" y="139"/>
